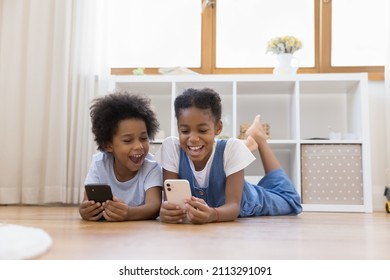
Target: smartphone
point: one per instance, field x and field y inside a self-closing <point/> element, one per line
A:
<point x="98" y="192"/>
<point x="177" y="190"/>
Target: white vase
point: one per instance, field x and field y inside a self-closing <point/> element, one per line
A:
<point x="285" y="64"/>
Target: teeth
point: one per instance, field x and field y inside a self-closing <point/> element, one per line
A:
<point x="137" y="156"/>
<point x="194" y="147"/>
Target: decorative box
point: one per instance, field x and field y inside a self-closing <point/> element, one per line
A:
<point x="332" y="174"/>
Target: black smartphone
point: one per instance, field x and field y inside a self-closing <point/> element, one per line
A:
<point x="98" y="192"/>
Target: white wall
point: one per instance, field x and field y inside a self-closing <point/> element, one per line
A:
<point x="379" y="145"/>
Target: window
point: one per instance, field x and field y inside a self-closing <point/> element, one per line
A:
<point x="362" y="41"/>
<point x="229" y="36"/>
<point x="244" y="27"/>
<point x="154" y="33"/>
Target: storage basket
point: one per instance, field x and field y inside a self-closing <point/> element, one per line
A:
<point x="332" y="174"/>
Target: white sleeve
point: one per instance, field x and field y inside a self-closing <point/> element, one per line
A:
<point x="236" y="156"/>
<point x="168" y="154"/>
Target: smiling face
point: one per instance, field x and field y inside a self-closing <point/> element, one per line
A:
<point x="197" y="130"/>
<point x="129" y="146"/>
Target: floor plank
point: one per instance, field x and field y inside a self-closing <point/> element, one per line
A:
<point x="319" y="236"/>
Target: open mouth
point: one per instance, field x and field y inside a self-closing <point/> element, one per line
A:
<point x="137" y="159"/>
<point x="195" y="150"/>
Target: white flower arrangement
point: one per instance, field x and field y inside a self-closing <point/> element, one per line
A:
<point x="284" y="44"/>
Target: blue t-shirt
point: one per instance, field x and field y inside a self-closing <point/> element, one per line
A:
<point x="132" y="192"/>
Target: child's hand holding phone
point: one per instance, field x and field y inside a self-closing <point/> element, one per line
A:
<point x="91" y="208"/>
<point x="173" y="209"/>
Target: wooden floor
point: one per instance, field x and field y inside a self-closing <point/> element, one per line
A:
<point x="318" y="236"/>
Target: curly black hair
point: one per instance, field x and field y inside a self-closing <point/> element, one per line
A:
<point x="106" y="112"/>
<point x="205" y="98"/>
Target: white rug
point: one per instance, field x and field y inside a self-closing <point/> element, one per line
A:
<point x="22" y="242"/>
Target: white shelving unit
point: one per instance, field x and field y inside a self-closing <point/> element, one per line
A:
<point x="300" y="109"/>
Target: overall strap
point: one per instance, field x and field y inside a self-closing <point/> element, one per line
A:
<point x="214" y="192"/>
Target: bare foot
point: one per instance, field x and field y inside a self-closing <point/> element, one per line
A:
<point x="256" y="131"/>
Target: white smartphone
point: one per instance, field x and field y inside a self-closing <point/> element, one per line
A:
<point x="177" y="190"/>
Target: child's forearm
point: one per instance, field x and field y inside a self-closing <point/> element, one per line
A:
<point x="144" y="212"/>
<point x="225" y="213"/>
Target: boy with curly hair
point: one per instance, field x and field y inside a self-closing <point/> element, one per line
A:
<point x="123" y="124"/>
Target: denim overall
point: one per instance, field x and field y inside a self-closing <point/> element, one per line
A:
<point x="273" y="195"/>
